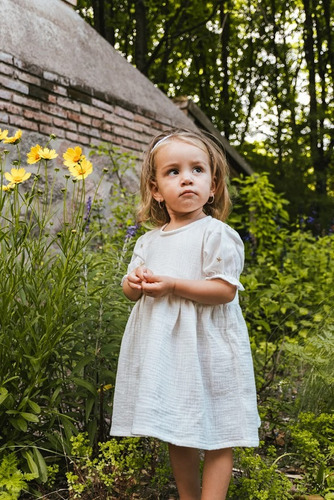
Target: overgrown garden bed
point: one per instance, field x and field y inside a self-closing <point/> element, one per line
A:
<point x="62" y="316"/>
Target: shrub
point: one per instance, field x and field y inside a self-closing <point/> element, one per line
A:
<point x="257" y="479"/>
<point x="61" y="313"/>
<point x="124" y="468"/>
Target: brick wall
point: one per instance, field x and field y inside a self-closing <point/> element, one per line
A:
<point x="42" y="103"/>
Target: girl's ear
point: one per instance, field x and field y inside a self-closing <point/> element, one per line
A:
<point x="155" y="192"/>
<point x="213" y="186"/>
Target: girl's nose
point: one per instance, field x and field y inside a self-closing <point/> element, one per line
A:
<point x="187" y="178"/>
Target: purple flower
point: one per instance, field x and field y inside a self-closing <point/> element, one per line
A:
<point x="131" y="231"/>
<point x="88" y="210"/>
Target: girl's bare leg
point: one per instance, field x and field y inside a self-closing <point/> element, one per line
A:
<point x="185" y="464"/>
<point x="217" y="473"/>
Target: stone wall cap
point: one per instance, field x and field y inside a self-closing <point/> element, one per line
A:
<point x="53" y="37"/>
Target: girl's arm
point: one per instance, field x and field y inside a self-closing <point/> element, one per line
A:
<point x="212" y="292"/>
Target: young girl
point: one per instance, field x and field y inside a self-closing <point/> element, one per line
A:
<point x="185" y="372"/>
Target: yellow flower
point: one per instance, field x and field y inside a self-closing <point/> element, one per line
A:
<point x="8" y="187"/>
<point x="17" y="175"/>
<point x="34" y="154"/>
<point x="82" y="169"/>
<point x="72" y="156"/>
<point x="47" y="154"/>
<point x="15" y="139"/>
<point x="3" y="134"/>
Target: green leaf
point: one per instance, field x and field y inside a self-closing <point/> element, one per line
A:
<point x="87" y="385"/>
<point x="88" y="407"/>
<point x="43" y="472"/>
<point x="3" y="394"/>
<point x="34" y="406"/>
<point x="31" y="462"/>
<point x="30" y="417"/>
<point x="19" y="423"/>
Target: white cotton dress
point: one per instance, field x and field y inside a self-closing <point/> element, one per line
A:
<point x="185" y="372"/>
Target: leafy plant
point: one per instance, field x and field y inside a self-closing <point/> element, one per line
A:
<point x="12" y="480"/>
<point x="61" y="313"/>
<point x="123" y="468"/>
<point x="257" y="478"/>
<point x="312" y="439"/>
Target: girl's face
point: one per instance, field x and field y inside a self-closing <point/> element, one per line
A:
<point x="183" y="179"/>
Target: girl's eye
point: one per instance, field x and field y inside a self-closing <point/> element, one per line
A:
<point x="173" y="171"/>
<point x="198" y="169"/>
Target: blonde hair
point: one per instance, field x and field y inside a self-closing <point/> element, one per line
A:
<point x="150" y="210"/>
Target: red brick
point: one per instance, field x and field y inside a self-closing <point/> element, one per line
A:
<point x="5" y="94"/>
<point x="107" y="137"/>
<point x="91" y="132"/>
<point x="54" y="110"/>
<point x="20" y="122"/>
<point x="60" y="90"/>
<point x="4" y="118"/>
<point x="113" y="119"/>
<point x="103" y="105"/>
<point x="27" y="78"/>
<point x="91" y="111"/>
<point x="77" y="138"/>
<point x="65" y="124"/>
<point x="124" y="112"/>
<point x="7" y="58"/>
<point x="5" y="69"/>
<point x="75" y="117"/>
<point x="47" y="130"/>
<point x="26" y="101"/>
<point x="58" y="132"/>
<point x="53" y="77"/>
<point x="37" y="116"/>
<point x="12" y="109"/>
<point x="85" y="120"/>
<point x="15" y="85"/>
<point x="124" y="132"/>
<point x="68" y="104"/>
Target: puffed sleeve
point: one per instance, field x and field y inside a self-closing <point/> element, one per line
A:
<point x="223" y="255"/>
<point x="137" y="258"/>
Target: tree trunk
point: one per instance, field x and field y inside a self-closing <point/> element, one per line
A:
<point x="309" y="44"/>
<point x="141" y="36"/>
<point x="225" y="93"/>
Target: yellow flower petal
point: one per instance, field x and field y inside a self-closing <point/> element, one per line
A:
<point x="17" y="175"/>
<point x="72" y="156"/>
<point x="81" y="170"/>
<point x="3" y="134"/>
<point x="7" y="187"/>
<point x="34" y="155"/>
<point x="48" y="154"/>
<point x="14" y="139"/>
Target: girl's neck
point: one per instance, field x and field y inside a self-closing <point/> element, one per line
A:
<point x="183" y="220"/>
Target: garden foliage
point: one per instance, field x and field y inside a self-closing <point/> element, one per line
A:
<point x="62" y="315"/>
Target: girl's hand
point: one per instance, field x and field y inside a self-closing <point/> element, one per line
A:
<point x="138" y="276"/>
<point x="132" y="285"/>
<point x="157" y="286"/>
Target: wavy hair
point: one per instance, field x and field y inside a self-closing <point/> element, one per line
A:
<point x="150" y="210"/>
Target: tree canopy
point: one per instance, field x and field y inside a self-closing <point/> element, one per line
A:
<point x="261" y="71"/>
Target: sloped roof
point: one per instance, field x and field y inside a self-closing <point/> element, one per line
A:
<point x="52" y="36"/>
